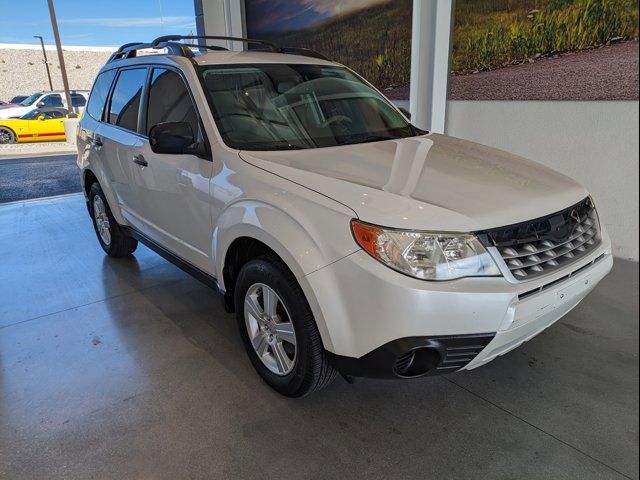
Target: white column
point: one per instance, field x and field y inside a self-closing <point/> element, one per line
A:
<point x="430" y="51"/>
<point x="221" y="17"/>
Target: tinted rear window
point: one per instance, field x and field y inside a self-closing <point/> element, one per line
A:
<point x="95" y="107"/>
<point x="125" y="101"/>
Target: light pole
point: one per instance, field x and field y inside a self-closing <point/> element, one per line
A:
<point x="63" y="70"/>
<point x="44" y="52"/>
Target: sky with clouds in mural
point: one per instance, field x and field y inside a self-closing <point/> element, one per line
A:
<point x="264" y="16"/>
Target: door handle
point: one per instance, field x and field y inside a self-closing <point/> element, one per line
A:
<point x="97" y="143"/>
<point x="139" y="159"/>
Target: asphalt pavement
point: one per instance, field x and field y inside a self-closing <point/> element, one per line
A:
<point x="36" y="177"/>
<point x="608" y="73"/>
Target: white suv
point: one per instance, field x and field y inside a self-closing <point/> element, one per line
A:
<point x="54" y="99"/>
<point x="344" y="238"/>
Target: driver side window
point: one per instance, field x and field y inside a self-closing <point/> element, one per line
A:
<point x="169" y="101"/>
<point x="53" y="100"/>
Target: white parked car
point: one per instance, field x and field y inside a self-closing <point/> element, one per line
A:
<point x="344" y="238"/>
<point x="53" y="99"/>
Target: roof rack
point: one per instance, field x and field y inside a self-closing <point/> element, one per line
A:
<point x="170" y="42"/>
<point x="130" y="50"/>
<point x="173" y="38"/>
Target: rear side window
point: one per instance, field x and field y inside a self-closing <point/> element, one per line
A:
<point x="169" y="101"/>
<point x="77" y="100"/>
<point x="125" y="101"/>
<point x="95" y="107"/>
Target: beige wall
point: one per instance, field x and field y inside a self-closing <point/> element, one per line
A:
<point x="594" y="142"/>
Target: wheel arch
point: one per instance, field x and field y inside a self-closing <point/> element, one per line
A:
<point x="12" y="131"/>
<point x="250" y="229"/>
<point x="88" y="177"/>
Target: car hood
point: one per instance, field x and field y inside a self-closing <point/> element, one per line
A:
<point x="10" y="112"/>
<point x="431" y="182"/>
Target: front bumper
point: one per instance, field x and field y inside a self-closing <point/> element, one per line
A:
<point x="370" y="316"/>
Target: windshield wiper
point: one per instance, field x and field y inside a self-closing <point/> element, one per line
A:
<point x="268" y="147"/>
<point x="370" y="138"/>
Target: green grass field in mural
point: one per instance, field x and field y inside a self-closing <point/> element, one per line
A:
<point x="488" y="34"/>
<point x="492" y="33"/>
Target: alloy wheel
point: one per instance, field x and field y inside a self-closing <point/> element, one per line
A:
<point x="102" y="220"/>
<point x="6" y="136"/>
<point x="270" y="329"/>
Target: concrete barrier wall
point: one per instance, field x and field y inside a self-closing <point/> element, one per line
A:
<point x="595" y="143"/>
<point x="22" y="70"/>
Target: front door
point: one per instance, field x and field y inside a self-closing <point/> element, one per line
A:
<point x="47" y="127"/>
<point x="174" y="189"/>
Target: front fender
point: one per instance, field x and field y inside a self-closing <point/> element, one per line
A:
<point x="304" y="245"/>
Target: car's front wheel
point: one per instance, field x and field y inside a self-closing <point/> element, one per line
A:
<point x="113" y="239"/>
<point x="278" y="329"/>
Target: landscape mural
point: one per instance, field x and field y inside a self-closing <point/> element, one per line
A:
<point x="545" y="50"/>
<point x="502" y="49"/>
<point x="373" y="37"/>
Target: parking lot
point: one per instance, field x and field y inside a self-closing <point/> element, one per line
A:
<point x="37" y="177"/>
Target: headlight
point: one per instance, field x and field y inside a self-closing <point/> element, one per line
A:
<point x="426" y="255"/>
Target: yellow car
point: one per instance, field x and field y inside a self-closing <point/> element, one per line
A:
<point x="35" y="126"/>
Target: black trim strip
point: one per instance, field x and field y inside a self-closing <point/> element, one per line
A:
<point x="412" y="357"/>
<point x="183" y="265"/>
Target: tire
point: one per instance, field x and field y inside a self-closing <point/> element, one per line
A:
<point x="7" y="136"/>
<point x="113" y="240"/>
<point x="310" y="369"/>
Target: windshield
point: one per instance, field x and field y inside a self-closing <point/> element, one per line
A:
<point x="290" y="106"/>
<point x="32" y="115"/>
<point x="30" y="100"/>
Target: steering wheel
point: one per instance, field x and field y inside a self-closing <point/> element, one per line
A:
<point x="335" y="119"/>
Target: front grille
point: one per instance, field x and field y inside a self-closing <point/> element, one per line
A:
<point x="546" y="244"/>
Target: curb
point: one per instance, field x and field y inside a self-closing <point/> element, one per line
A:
<point x="41" y="199"/>
<point x="36" y="150"/>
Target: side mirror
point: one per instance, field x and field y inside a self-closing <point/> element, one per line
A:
<point x="174" y="138"/>
<point x="405" y="112"/>
<point x="41" y="117"/>
<point x="40" y="104"/>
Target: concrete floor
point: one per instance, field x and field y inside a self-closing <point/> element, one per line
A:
<point x="131" y="369"/>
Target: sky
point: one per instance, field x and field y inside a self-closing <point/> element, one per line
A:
<point x="95" y="22"/>
<point x="264" y="16"/>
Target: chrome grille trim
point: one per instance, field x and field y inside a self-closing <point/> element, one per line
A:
<point x="544" y="245"/>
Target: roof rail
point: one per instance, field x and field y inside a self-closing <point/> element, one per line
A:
<point x="172" y="38"/>
<point x="272" y="46"/>
<point x="170" y="42"/>
<point x="130" y="50"/>
<point x="305" y="52"/>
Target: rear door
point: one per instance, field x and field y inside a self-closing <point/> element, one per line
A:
<point x="118" y="137"/>
<point x="174" y="189"/>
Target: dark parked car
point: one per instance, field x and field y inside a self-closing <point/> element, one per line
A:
<point x="17" y="99"/>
